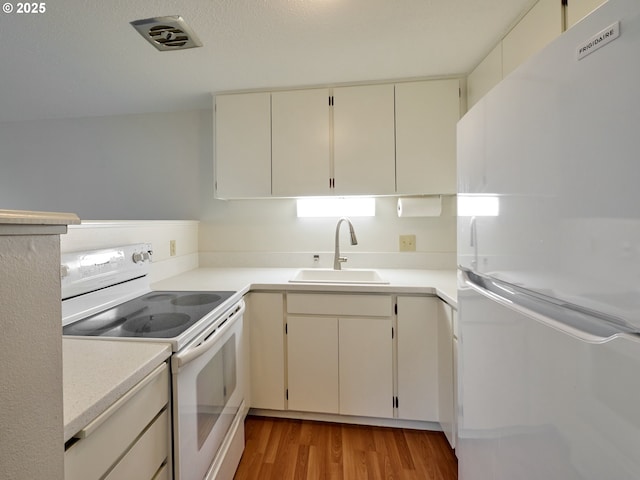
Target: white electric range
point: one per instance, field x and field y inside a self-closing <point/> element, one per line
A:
<point x="106" y="294"/>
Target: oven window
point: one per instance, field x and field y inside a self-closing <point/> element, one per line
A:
<point x="215" y="384"/>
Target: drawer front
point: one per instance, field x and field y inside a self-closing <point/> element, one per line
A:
<point x="148" y="453"/>
<point x="336" y="304"/>
<point x="109" y="436"/>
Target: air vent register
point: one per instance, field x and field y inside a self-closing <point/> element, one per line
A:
<point x="167" y="33"/>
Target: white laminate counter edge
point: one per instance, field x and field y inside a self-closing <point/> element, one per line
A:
<point x="23" y="217"/>
<point x="96" y="373"/>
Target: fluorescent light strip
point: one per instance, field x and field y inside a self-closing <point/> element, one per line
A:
<point x="478" y="206"/>
<point x="336" y="207"/>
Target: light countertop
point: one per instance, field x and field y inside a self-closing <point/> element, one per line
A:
<point x="406" y="281"/>
<point x="96" y="373"/>
<point x="24" y="217"/>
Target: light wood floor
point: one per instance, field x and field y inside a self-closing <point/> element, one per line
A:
<point x="281" y="449"/>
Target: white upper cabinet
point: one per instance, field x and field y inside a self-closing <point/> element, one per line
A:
<point x="333" y="141"/>
<point x="364" y="146"/>
<point x="301" y="152"/>
<point x="578" y="9"/>
<point x="426" y="116"/>
<point x="381" y="139"/>
<point x="537" y="28"/>
<point x="243" y="145"/>
<point x="485" y="76"/>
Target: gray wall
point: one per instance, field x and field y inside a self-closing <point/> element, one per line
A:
<point x="142" y="167"/>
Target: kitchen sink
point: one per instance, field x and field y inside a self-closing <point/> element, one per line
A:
<point x="327" y="275"/>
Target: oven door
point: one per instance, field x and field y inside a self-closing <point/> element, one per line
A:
<point x="207" y="394"/>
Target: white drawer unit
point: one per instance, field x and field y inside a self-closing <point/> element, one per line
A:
<point x="129" y="440"/>
<point x="146" y="454"/>
<point x="337" y="304"/>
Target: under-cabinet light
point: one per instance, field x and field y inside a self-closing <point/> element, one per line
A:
<point x="336" y="207"/>
<point x="478" y="206"/>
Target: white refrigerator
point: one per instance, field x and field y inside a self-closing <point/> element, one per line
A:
<point x="549" y="262"/>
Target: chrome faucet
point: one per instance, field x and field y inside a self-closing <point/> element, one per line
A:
<point x="337" y="259"/>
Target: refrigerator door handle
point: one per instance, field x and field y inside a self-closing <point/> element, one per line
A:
<point x="473" y="241"/>
<point x="567" y="319"/>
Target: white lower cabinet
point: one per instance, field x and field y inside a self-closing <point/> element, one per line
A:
<point x="350" y="354"/>
<point x="366" y="367"/>
<point x="418" y="358"/>
<point x="340" y="354"/>
<point x="265" y="315"/>
<point x="456" y="409"/>
<point x="129" y="440"/>
<point x="446" y="375"/>
<point x="312" y="353"/>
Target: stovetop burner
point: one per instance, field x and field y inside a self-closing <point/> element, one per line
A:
<point x="165" y="325"/>
<point x="196" y="299"/>
<point x="158" y="314"/>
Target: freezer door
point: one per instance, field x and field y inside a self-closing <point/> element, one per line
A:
<point x="556" y="145"/>
<point x="541" y="400"/>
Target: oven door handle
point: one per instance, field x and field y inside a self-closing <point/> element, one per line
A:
<point x="181" y="359"/>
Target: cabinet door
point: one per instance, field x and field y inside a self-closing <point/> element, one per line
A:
<point x="445" y="369"/>
<point x="312" y="364"/>
<point x="578" y="9"/>
<point x="243" y="145"/>
<point x="456" y="408"/>
<point x="265" y="313"/>
<point x="418" y="358"/>
<point x="366" y="367"/>
<point x="426" y="117"/>
<point x="300" y="142"/>
<point x="537" y="28"/>
<point x="485" y="76"/>
<point x="364" y="143"/>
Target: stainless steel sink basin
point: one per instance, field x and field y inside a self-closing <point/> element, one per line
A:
<point x="326" y="275"/>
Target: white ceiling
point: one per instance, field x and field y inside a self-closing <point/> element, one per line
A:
<point x="83" y="58"/>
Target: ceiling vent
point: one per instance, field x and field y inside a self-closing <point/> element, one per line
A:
<point x="167" y="33"/>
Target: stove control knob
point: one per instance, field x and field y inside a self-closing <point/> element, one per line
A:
<point x="138" y="257"/>
<point x="64" y="271"/>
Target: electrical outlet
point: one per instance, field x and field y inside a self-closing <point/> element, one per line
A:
<point x="407" y="243"/>
<point x="172" y="248"/>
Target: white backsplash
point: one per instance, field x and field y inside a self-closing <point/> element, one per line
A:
<point x="266" y="233"/>
<point x="420" y="260"/>
<point x="90" y="235"/>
